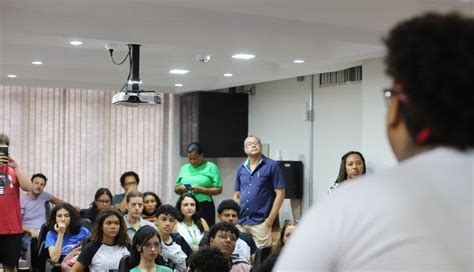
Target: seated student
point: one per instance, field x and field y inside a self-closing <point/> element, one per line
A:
<point x="173" y="252"/>
<point x="129" y="182"/>
<point x="287" y="230"/>
<point x="151" y="202"/>
<point x="108" y="244"/>
<point x="33" y="210"/>
<point x="208" y="259"/>
<point x="224" y="236"/>
<point x="65" y="231"/>
<point x="102" y="200"/>
<point x="228" y="211"/>
<point x="190" y="224"/>
<point x="146" y="248"/>
<point x="133" y="219"/>
<point x="352" y="166"/>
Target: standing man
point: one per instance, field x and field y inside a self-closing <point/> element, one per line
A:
<point x="129" y="182"/>
<point x="260" y="190"/>
<point x="12" y="178"/>
<point x="33" y="210"/>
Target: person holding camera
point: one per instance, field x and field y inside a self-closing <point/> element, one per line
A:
<point x="12" y="178"/>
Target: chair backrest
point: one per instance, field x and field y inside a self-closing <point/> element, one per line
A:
<point x="124" y="264"/>
<point x="260" y="255"/>
<point x="86" y="223"/>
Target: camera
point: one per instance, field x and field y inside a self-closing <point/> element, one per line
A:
<point x="4" y="150"/>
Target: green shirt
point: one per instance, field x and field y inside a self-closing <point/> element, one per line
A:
<point x="205" y="175"/>
<point x="158" y="268"/>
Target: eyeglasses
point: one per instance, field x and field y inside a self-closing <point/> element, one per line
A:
<point x="152" y="245"/>
<point x="231" y="237"/>
<point x="249" y="144"/>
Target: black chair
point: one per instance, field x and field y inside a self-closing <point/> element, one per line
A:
<point x="124" y="264"/>
<point x="86" y="223"/>
<point x="260" y="255"/>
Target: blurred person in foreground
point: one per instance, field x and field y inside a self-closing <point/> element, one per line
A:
<point x="416" y="216"/>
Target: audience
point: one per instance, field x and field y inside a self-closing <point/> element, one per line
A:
<point x="151" y="202"/>
<point x="108" y="243"/>
<point x="418" y="215"/>
<point x="286" y="231"/>
<point x="65" y="231"/>
<point x="102" y="201"/>
<point x="129" y="182"/>
<point x="175" y="250"/>
<point x="145" y="251"/>
<point x="228" y="211"/>
<point x="133" y="219"/>
<point x="352" y="166"/>
<point x="12" y="178"/>
<point x="208" y="259"/>
<point x="224" y="236"/>
<point x="202" y="179"/>
<point x="190" y="225"/>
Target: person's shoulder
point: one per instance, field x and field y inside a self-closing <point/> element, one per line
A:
<point x="84" y="231"/>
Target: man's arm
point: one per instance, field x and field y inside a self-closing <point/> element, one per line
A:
<point x="207" y="191"/>
<point x="236" y="196"/>
<point x="23" y="179"/>
<point x="30" y="230"/>
<point x="280" y="196"/>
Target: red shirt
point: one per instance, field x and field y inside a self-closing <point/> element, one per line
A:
<point x="10" y="215"/>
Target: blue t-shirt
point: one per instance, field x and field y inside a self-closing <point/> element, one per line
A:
<point x="257" y="190"/>
<point x="70" y="241"/>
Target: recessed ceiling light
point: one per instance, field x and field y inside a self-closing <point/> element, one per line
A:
<point x="243" y="56"/>
<point x="75" y="42"/>
<point x="178" y="85"/>
<point x="178" y="71"/>
<point x="37" y="62"/>
<point x="227" y="74"/>
<point x="298" y="61"/>
<point x="11" y="76"/>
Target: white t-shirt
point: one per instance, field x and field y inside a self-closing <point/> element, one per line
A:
<point x="192" y="234"/>
<point x="101" y="257"/>
<point x="414" y="217"/>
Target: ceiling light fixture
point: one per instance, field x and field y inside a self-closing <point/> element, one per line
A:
<point x="37" y="62"/>
<point x="178" y="85"/>
<point x="227" y="74"/>
<point x="11" y="76"/>
<point x="243" y="56"/>
<point x="179" y="71"/>
<point x="76" y="43"/>
<point x="298" y="61"/>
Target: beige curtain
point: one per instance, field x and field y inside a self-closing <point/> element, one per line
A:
<point x="81" y="142"/>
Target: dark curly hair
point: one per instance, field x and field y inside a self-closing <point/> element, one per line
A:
<point x="126" y="174"/>
<point x="74" y="226"/>
<point x="223" y="226"/>
<point x="167" y="209"/>
<point x="196" y="216"/>
<point x="121" y="239"/>
<point x="228" y="204"/>
<point x="209" y="259"/>
<point x="432" y="57"/>
<point x="157" y="200"/>
<point x="342" y="176"/>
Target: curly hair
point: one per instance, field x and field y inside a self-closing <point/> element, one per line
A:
<point x="98" y="232"/>
<point x="209" y="259"/>
<point x="196" y="216"/>
<point x="74" y="226"/>
<point x="127" y="174"/>
<point x="223" y="226"/>
<point x="167" y="209"/>
<point x="157" y="200"/>
<point x="342" y="176"/>
<point x="432" y="57"/>
<point x="228" y="204"/>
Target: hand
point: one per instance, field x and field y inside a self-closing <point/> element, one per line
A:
<point x="34" y="233"/>
<point x="133" y="187"/>
<point x="60" y="228"/>
<point x="3" y="159"/>
<point x="269" y="223"/>
<point x="196" y="189"/>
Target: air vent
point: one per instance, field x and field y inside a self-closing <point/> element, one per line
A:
<point x="340" y="77"/>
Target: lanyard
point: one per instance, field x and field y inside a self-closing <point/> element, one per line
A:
<point x="193" y="234"/>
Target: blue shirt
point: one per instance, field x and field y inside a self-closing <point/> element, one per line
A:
<point x="257" y="190"/>
<point x="70" y="241"/>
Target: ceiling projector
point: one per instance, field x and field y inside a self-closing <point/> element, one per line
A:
<point x="134" y="99"/>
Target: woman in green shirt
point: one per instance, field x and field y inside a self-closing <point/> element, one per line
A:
<point x="146" y="248"/>
<point x="202" y="179"/>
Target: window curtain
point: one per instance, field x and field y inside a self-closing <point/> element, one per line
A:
<point x="81" y="142"/>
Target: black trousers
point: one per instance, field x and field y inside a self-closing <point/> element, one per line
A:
<point x="208" y="212"/>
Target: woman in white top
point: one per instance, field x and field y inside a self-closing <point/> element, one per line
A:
<point x="108" y="244"/>
<point x="191" y="225"/>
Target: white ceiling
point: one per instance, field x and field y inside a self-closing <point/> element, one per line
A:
<point x="325" y="33"/>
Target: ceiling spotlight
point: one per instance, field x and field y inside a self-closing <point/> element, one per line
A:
<point x="298" y="61"/>
<point x="243" y="56"/>
<point x="227" y="74"/>
<point x="75" y="43"/>
<point x="179" y="71"/>
<point x="11" y="76"/>
<point x="178" y="85"/>
<point x="37" y="62"/>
